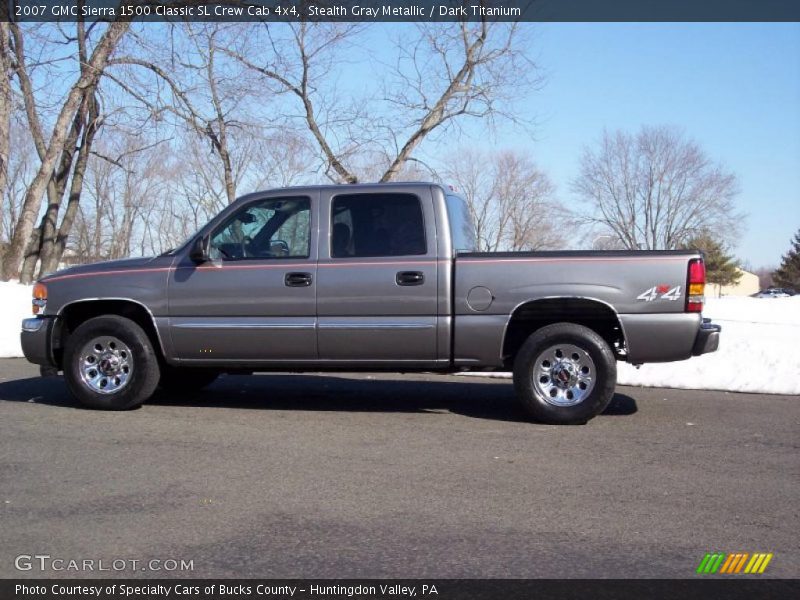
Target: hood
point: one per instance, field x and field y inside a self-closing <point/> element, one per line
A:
<point x="108" y="265"/>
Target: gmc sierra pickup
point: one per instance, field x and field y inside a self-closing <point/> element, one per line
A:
<point x="365" y="277"/>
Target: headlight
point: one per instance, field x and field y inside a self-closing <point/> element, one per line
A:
<point x="39" y="298"/>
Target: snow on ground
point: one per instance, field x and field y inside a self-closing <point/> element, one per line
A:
<point x="15" y="305"/>
<point x="758" y="350"/>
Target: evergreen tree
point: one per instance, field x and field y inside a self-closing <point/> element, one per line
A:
<point x="788" y="274"/>
<point x="721" y="267"/>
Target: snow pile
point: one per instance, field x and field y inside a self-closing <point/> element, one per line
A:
<point x="758" y="350"/>
<point x="15" y="305"/>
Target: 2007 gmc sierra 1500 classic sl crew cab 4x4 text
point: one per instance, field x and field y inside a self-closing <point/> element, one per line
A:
<point x="365" y="277"/>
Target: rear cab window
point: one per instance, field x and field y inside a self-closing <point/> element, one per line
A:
<point x="380" y="224"/>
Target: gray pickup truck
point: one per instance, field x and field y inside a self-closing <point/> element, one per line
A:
<point x="365" y="277"/>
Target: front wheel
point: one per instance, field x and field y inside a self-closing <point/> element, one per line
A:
<point x="565" y="374"/>
<point x="110" y="364"/>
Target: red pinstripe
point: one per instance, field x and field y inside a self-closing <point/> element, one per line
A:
<point x="463" y="262"/>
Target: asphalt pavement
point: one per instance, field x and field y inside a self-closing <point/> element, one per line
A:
<point x="389" y="475"/>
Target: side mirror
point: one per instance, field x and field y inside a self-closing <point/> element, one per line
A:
<point x="199" y="251"/>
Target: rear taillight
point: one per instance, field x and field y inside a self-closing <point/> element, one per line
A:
<point x="696" y="285"/>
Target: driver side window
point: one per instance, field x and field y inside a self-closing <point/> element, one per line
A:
<point x="273" y="228"/>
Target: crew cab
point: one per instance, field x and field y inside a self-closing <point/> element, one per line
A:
<point x="365" y="277"/>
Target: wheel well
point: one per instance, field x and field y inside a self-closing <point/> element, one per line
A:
<point x="79" y="312"/>
<point x="531" y="316"/>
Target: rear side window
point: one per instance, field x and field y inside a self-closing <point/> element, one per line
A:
<point x="462" y="227"/>
<point x="377" y="225"/>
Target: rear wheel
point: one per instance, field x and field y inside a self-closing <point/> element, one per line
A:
<point x="110" y="364"/>
<point x="565" y="374"/>
<point x="186" y="379"/>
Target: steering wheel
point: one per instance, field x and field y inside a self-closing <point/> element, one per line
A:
<point x="250" y="251"/>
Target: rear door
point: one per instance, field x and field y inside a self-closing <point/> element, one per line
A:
<point x="377" y="277"/>
<point x="255" y="301"/>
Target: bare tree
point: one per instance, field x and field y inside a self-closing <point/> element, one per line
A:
<point x="299" y="58"/>
<point x="284" y="158"/>
<point x="22" y="166"/>
<point x="528" y="194"/>
<point x="203" y="90"/>
<point x="656" y="190"/>
<point x="454" y="71"/>
<point x="444" y="73"/>
<point x="229" y="116"/>
<point x="468" y="171"/>
<point x="509" y="197"/>
<point x="603" y="242"/>
<point x="72" y="141"/>
<point x="76" y="99"/>
<point x="6" y="100"/>
<point x="126" y="183"/>
<point x="43" y="240"/>
<point x="53" y="237"/>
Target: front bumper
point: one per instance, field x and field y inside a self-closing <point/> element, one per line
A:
<point x="707" y="339"/>
<point x="37" y="340"/>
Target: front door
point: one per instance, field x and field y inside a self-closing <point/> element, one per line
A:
<point x="255" y="301"/>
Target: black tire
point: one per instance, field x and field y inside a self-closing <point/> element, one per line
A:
<point x="186" y="379"/>
<point x="141" y="378"/>
<point x="533" y="358"/>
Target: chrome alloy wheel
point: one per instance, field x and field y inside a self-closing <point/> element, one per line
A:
<point x="106" y="365"/>
<point x="564" y="375"/>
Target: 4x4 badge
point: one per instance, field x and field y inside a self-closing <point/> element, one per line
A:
<point x="660" y="291"/>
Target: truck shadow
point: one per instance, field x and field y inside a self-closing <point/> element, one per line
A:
<point x="492" y="399"/>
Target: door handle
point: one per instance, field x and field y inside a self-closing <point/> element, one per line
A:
<point x="410" y="278"/>
<point x="297" y="279"/>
